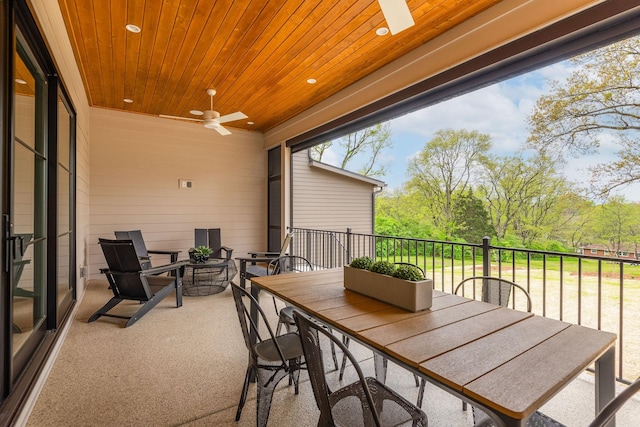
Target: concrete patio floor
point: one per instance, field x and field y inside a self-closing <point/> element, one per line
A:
<point x="185" y="367"/>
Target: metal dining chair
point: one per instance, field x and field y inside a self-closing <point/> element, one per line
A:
<point x="271" y="357"/>
<point x="364" y="402"/>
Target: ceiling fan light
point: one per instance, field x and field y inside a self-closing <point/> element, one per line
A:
<point x="211" y="124"/>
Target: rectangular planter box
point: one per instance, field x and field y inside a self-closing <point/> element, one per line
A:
<point x="412" y="296"/>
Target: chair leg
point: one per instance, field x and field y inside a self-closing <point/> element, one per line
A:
<point x="243" y="395"/>
<point x="148" y="305"/>
<point x="417" y="380"/>
<point x="105" y="308"/>
<point x="333" y="351"/>
<point x="266" y="385"/>
<point x="380" y="365"/>
<point x="278" y="328"/>
<point x="421" y="393"/>
<point x="294" y="373"/>
<point x="345" y="341"/>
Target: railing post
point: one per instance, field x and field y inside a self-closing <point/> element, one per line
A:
<point x="348" y="245"/>
<point x="308" y="246"/>
<point x="332" y="249"/>
<point x="486" y="256"/>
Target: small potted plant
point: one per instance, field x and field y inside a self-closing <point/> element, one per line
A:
<point x="408" y="272"/>
<point x="200" y="254"/>
<point x="383" y="267"/>
<point x="363" y="263"/>
<point x="401" y="285"/>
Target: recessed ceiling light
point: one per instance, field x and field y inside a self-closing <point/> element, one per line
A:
<point x="311" y="81"/>
<point x="196" y="112"/>
<point x="21" y="82"/>
<point x="382" y="31"/>
<point x="249" y="123"/>
<point x="128" y="100"/>
<point x="132" y="28"/>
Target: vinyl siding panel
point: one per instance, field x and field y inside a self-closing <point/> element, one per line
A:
<point x="136" y="163"/>
<point x="329" y="201"/>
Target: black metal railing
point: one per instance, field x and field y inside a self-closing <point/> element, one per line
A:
<point x="581" y="289"/>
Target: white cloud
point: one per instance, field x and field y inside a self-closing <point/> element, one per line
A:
<point x="501" y="111"/>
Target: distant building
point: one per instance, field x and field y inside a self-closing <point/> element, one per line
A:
<point x="604" y="251"/>
<point x="327" y="197"/>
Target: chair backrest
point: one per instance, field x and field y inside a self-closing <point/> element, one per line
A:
<point x="138" y="241"/>
<point x="288" y="264"/>
<point x="124" y="270"/>
<point x="495" y="290"/>
<point x="309" y="335"/>
<point x="614" y="406"/>
<point x="249" y="326"/>
<point x="285" y="244"/>
<point x="209" y="237"/>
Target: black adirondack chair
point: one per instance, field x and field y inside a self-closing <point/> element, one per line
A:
<point x="129" y="281"/>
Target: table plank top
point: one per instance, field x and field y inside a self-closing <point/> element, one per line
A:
<point x="424" y="322"/>
<point x="461" y="365"/>
<point x="526" y="382"/>
<point x="419" y="348"/>
<point x="507" y="360"/>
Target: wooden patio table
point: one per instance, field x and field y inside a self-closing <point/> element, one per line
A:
<point x="507" y="362"/>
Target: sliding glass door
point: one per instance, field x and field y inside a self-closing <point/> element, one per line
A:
<point x="28" y="182"/>
<point x="37" y="287"/>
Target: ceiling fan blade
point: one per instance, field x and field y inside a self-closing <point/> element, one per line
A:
<point x="231" y="117"/>
<point x="164" y="116"/>
<point x="397" y="14"/>
<point x="222" y="130"/>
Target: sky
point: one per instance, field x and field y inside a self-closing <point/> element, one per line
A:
<point x="500" y="110"/>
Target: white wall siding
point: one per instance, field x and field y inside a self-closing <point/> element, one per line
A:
<point x="329" y="201"/>
<point x="136" y="163"/>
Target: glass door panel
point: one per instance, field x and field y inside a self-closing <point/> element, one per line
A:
<point x="64" y="282"/>
<point x="28" y="182"/>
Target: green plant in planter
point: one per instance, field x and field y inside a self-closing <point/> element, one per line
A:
<point x="408" y="272"/>
<point x="363" y="263"/>
<point x="383" y="267"/>
<point x="200" y="253"/>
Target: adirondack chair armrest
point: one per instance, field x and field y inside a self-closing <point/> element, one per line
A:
<point x="163" y="269"/>
<point x="228" y="251"/>
<point x="173" y="254"/>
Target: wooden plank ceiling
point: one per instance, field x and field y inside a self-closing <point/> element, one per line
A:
<point x="257" y="54"/>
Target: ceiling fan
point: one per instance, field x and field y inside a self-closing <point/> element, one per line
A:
<point x="397" y="14"/>
<point x="211" y="119"/>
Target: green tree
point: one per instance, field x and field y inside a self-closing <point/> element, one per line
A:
<point x="445" y="168"/>
<point x="472" y="218"/>
<point x="616" y="224"/>
<point x="402" y="214"/>
<point x="575" y="223"/>
<point x="364" y="145"/>
<point x="600" y="99"/>
<point x="523" y="196"/>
